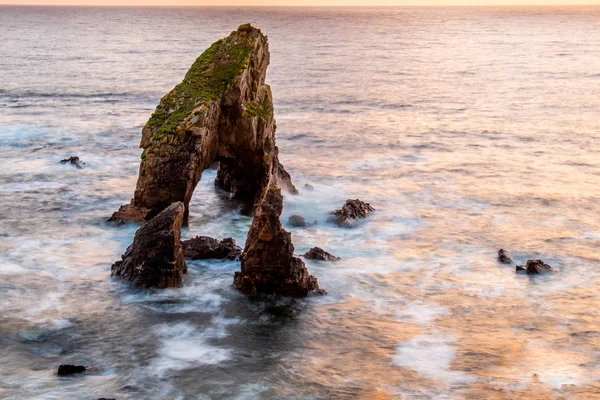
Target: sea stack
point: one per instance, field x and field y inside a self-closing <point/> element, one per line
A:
<point x="223" y="111"/>
<point x="268" y="262"/>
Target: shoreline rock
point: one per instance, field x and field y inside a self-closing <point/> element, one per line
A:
<point x="155" y="258"/>
<point x="205" y="247"/>
<point x="317" y="253"/>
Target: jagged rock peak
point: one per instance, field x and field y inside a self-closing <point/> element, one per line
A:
<point x="155" y="258"/>
<point x="268" y="264"/>
<point x="221" y="111"/>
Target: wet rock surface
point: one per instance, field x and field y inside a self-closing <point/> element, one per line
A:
<point x="69" y="369"/>
<point x="535" y="267"/>
<point x="352" y="209"/>
<point x="74" y="160"/>
<point x="222" y="111"/>
<point x="155" y="258"/>
<point x="204" y="248"/>
<point x="317" y="253"/>
<point x="268" y="265"/>
<point x="503" y="257"/>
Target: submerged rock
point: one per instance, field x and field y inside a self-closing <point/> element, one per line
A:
<point x="69" y="369"/>
<point x="74" y="160"/>
<point x="204" y="247"/>
<point x="297" y="221"/>
<point x="535" y="267"/>
<point x="353" y="209"/>
<point x="317" y="253"/>
<point x="221" y="111"/>
<point x="268" y="264"/>
<point x="155" y="258"/>
<point x="503" y="257"/>
<point x="308" y="187"/>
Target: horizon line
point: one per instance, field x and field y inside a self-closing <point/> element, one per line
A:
<point x="297" y="6"/>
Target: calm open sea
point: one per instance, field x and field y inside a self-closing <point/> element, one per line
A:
<point x="468" y="129"/>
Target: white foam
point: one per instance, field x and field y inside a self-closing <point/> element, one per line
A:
<point x="8" y="268"/>
<point x="183" y="347"/>
<point x="431" y="356"/>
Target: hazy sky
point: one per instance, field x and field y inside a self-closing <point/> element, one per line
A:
<point x="302" y="2"/>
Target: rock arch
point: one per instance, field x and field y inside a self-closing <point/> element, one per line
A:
<point x="223" y="111"/>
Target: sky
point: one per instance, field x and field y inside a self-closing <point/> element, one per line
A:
<point x="300" y="2"/>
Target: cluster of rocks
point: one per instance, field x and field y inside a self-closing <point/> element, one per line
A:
<point x="221" y="112"/>
<point x="205" y="247"/>
<point x="532" y="267"/>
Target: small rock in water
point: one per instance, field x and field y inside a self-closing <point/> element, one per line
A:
<point x="535" y="267"/>
<point x="297" y="221"/>
<point x="309" y="188"/>
<point x="317" y="253"/>
<point x="69" y="369"/>
<point x="353" y="209"/>
<point x="204" y="247"/>
<point x="74" y="160"/>
<point x="503" y="257"/>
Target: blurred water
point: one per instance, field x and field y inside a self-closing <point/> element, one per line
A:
<point x="468" y="129"/>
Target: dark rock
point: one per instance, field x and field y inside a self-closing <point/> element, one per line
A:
<point x="308" y="187"/>
<point x="503" y="257"/>
<point x="204" y="247"/>
<point x="222" y="111"/>
<point x="317" y="253"/>
<point x="297" y="221"/>
<point x="353" y="209"/>
<point x="73" y="161"/>
<point x="155" y="258"/>
<point x="268" y="265"/>
<point x="69" y="369"/>
<point x="535" y="267"/>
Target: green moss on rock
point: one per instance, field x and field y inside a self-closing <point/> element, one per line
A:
<point x="206" y="80"/>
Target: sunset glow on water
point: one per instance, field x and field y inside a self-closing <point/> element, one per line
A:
<point x="467" y="129"/>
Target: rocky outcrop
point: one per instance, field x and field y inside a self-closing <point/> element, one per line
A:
<point x="155" y="258"/>
<point x="317" y="253"/>
<point x="535" y="267"/>
<point x="353" y="209"/>
<point x="221" y="111"/>
<point x="503" y="257"/>
<point x="204" y="248"/>
<point x="268" y="264"/>
<point x="69" y="369"/>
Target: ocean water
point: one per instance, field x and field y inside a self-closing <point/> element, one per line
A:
<point x="468" y="129"/>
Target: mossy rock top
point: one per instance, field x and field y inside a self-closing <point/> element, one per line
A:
<point x="206" y="80"/>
